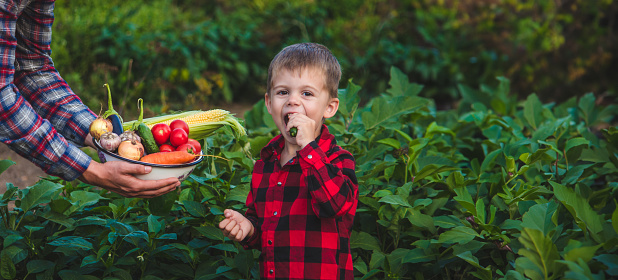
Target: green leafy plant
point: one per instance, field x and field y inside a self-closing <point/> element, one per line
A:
<point x="494" y="189"/>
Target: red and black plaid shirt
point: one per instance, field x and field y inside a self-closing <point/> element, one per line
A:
<point x="303" y="212"/>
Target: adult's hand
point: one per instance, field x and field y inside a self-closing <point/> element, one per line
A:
<point x="119" y="177"/>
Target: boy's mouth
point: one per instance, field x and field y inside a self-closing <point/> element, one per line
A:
<point x="286" y="118"/>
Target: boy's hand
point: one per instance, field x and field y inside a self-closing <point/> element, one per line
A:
<point x="235" y="226"/>
<point x="306" y="129"/>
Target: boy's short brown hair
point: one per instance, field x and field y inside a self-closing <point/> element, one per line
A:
<point x="299" y="56"/>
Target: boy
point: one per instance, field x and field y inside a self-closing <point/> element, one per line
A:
<point x="304" y="192"/>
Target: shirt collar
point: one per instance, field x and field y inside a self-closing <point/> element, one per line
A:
<point x="272" y="151"/>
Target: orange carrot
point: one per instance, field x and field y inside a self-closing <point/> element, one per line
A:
<point x="175" y="157"/>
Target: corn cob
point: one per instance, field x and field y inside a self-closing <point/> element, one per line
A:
<point x="201" y="123"/>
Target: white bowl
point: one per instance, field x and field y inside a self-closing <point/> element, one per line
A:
<point x="159" y="171"/>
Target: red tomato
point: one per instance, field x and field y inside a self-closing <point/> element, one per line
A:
<point x="186" y="147"/>
<point x="178" y="137"/>
<point x="161" y="133"/>
<point x="196" y="145"/>
<point x="166" y="148"/>
<point x="179" y="124"/>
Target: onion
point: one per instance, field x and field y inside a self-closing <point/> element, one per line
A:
<point x="100" y="126"/>
<point x="131" y="149"/>
<point x="109" y="141"/>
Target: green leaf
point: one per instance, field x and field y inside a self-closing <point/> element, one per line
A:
<point x="162" y="205"/>
<point x="416" y="255"/>
<point x="360" y="266"/>
<point x="239" y="193"/>
<point x="539" y="217"/>
<point x="135" y="237"/>
<point x="395" y="259"/>
<point x="7" y="267"/>
<point x="82" y="199"/>
<point x="574" y="174"/>
<point x="73" y="242"/>
<point x="88" y="260"/>
<point x="488" y="162"/>
<point x="481" y="273"/>
<point x="195" y="208"/>
<point x="539" y="254"/>
<point x="574" y="142"/>
<point x="395" y="200"/>
<point x="16" y="254"/>
<point x="459" y="235"/>
<point x="349" y="100"/>
<point x="584" y="253"/>
<point x="364" y="241"/>
<point x="435" y="129"/>
<point x="533" y="111"/>
<point x="37" y="266"/>
<point x="390" y="142"/>
<point x="154" y="226"/>
<point x="420" y="220"/>
<point x="588" y="108"/>
<point x="385" y="108"/>
<point x="211" y="232"/>
<point x="401" y="86"/>
<point x="9" y="240"/>
<point x="40" y="193"/>
<point x="481" y="213"/>
<point x="584" y="215"/>
<point x="465" y="199"/>
<point x="5" y="164"/>
<point x="447" y="221"/>
<point x="473" y="247"/>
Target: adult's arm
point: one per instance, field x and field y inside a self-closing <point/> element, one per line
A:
<point x="34" y="114"/>
<point x="39" y="112"/>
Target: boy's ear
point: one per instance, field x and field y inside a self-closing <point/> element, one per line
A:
<point x="331" y="108"/>
<point x="267" y="102"/>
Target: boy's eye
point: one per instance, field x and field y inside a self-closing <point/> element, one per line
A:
<point x="282" y="92"/>
<point x="307" y="93"/>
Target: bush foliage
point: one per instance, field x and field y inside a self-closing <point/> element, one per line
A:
<point x="495" y="189"/>
<point x="176" y="54"/>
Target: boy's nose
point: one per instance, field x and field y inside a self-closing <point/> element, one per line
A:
<point x="293" y="99"/>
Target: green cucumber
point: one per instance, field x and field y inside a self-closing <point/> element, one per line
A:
<point x="147" y="139"/>
<point x="144" y="132"/>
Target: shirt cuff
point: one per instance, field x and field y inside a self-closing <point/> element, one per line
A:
<point x="251" y="241"/>
<point x="72" y="164"/>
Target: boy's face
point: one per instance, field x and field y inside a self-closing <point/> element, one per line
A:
<point x="300" y="92"/>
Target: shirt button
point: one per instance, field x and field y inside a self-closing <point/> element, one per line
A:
<point x="309" y="156"/>
<point x="271" y="271"/>
<point x="278" y="183"/>
<point x="275" y="213"/>
<point x="270" y="242"/>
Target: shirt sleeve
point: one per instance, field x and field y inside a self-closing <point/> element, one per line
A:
<point x="330" y="180"/>
<point x="37" y="107"/>
<point x="254" y="241"/>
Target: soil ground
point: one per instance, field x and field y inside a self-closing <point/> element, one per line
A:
<point x="24" y="173"/>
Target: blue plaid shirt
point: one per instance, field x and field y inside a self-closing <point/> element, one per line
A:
<point x="40" y="117"/>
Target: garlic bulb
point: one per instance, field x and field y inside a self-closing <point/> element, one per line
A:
<point x="110" y="141"/>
